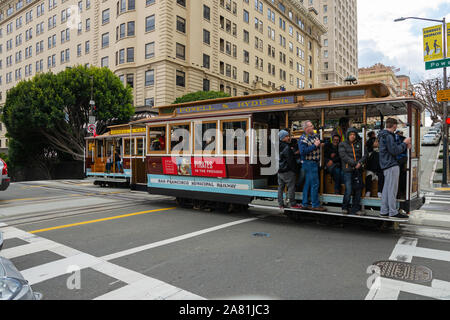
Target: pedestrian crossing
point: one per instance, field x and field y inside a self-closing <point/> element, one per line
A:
<point x="405" y="251"/>
<point x="137" y="286"/>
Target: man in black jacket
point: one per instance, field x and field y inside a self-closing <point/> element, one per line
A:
<point x="286" y="172"/>
<point x="389" y="150"/>
<point x="333" y="162"/>
<point x="351" y="153"/>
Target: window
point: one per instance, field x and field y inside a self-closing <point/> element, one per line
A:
<point x="149" y="102"/>
<point x="180" y="51"/>
<point x="206" y="36"/>
<point x="131" y="5"/>
<point x="180" y="78"/>
<point x="105" y="62"/>
<point x="105" y="16"/>
<point x="156" y="139"/>
<point x="180" y="138"/>
<point x="130" y="80"/>
<point x="149" y="50"/>
<point x="86" y="47"/>
<point x="206" y="13"/>
<point x="246" y="16"/>
<point x="206" y="85"/>
<point x="130" y="54"/>
<point x="149" y="77"/>
<point x="205" y="135"/>
<point x="182" y="2"/>
<point x="181" y="24"/>
<point x="150" y="23"/>
<point x="130" y="29"/>
<point x="105" y="40"/>
<point x="206" y="61"/>
<point x="233" y="135"/>
<point x="121" y="56"/>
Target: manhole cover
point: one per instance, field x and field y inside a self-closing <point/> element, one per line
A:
<point x="404" y="271"/>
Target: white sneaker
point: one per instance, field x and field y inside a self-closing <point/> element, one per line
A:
<point x="368" y="194"/>
<point x="379" y="194"/>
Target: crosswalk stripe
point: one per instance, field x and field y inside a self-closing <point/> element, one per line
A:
<point x="29" y="249"/>
<point x="139" y="286"/>
<point x="405" y="250"/>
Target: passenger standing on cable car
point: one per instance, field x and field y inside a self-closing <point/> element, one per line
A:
<point x="309" y="146"/>
<point x="389" y="150"/>
<point x="286" y="171"/>
<point x="351" y="153"/>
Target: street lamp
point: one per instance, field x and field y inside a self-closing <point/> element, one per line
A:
<point x="445" y="142"/>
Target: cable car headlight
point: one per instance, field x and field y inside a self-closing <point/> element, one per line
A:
<point x="10" y="288"/>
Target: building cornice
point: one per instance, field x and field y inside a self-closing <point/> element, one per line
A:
<point x="301" y="8"/>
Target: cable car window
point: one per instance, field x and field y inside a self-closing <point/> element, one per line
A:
<point x="129" y="147"/>
<point x="234" y="136"/>
<point x="180" y="138"/>
<point x="157" y="139"/>
<point x="139" y="147"/>
<point x="205" y="135"/>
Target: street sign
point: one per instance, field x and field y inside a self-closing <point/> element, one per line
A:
<point x="91" y="128"/>
<point x="436" y="64"/>
<point x="432" y="43"/>
<point x="443" y="95"/>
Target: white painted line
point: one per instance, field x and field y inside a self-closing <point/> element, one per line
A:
<point x="147" y="289"/>
<point x="438" y="289"/>
<point x="172" y="240"/>
<point x="425" y="253"/>
<point x="2" y="224"/>
<point x="29" y="249"/>
<point x="440" y="202"/>
<point x="378" y="291"/>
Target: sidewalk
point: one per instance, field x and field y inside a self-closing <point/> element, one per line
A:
<point x="436" y="210"/>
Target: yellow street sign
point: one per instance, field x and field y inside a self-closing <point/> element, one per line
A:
<point x="432" y="43"/>
<point x="443" y="95"/>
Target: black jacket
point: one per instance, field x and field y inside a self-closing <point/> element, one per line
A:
<point x="346" y="152"/>
<point x="328" y="151"/>
<point x="389" y="149"/>
<point x="287" y="159"/>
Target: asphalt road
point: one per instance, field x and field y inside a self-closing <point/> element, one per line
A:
<point x="130" y="245"/>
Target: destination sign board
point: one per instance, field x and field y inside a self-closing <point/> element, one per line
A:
<point x="236" y="105"/>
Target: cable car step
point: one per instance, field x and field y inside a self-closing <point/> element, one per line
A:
<point x="369" y="216"/>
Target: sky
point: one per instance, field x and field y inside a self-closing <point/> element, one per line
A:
<point x="398" y="44"/>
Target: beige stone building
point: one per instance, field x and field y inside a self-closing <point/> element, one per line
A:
<point x="165" y="48"/>
<point x="380" y="73"/>
<point x="340" y="43"/>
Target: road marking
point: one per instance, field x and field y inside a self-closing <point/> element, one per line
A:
<point x="2" y="224"/>
<point x="29" y="187"/>
<point x="389" y="289"/>
<point x="30" y="248"/>
<point x="442" y="189"/>
<point x="381" y="292"/>
<point x="172" y="240"/>
<point x="99" y="220"/>
<point x="139" y="286"/>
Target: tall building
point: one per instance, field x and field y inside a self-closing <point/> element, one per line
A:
<point x="340" y="43"/>
<point x="165" y="48"/>
<point x="380" y="73"/>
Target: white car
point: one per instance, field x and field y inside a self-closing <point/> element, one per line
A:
<point x="5" y="180"/>
<point x="430" y="139"/>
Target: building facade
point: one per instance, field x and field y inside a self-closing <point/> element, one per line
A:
<point x="380" y="73"/>
<point x="165" y="48"/>
<point x="340" y="44"/>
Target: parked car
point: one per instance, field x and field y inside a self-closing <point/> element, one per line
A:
<point x="5" y="180"/>
<point x="430" y="139"/>
<point x="13" y="286"/>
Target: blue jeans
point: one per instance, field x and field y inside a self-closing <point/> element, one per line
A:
<point x="352" y="191"/>
<point x="311" y="184"/>
<point x="338" y="178"/>
<point x="118" y="166"/>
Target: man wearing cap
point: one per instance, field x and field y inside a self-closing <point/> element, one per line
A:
<point x="286" y="171"/>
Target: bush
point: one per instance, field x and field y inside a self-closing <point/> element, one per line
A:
<point x="201" y="95"/>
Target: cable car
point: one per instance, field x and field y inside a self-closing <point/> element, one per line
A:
<point x="224" y="151"/>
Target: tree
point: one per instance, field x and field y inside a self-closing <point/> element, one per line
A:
<point x="52" y="110"/>
<point x="426" y="92"/>
<point x="201" y="95"/>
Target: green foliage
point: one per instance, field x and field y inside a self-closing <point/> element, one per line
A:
<point x="47" y="115"/>
<point x="201" y="95"/>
